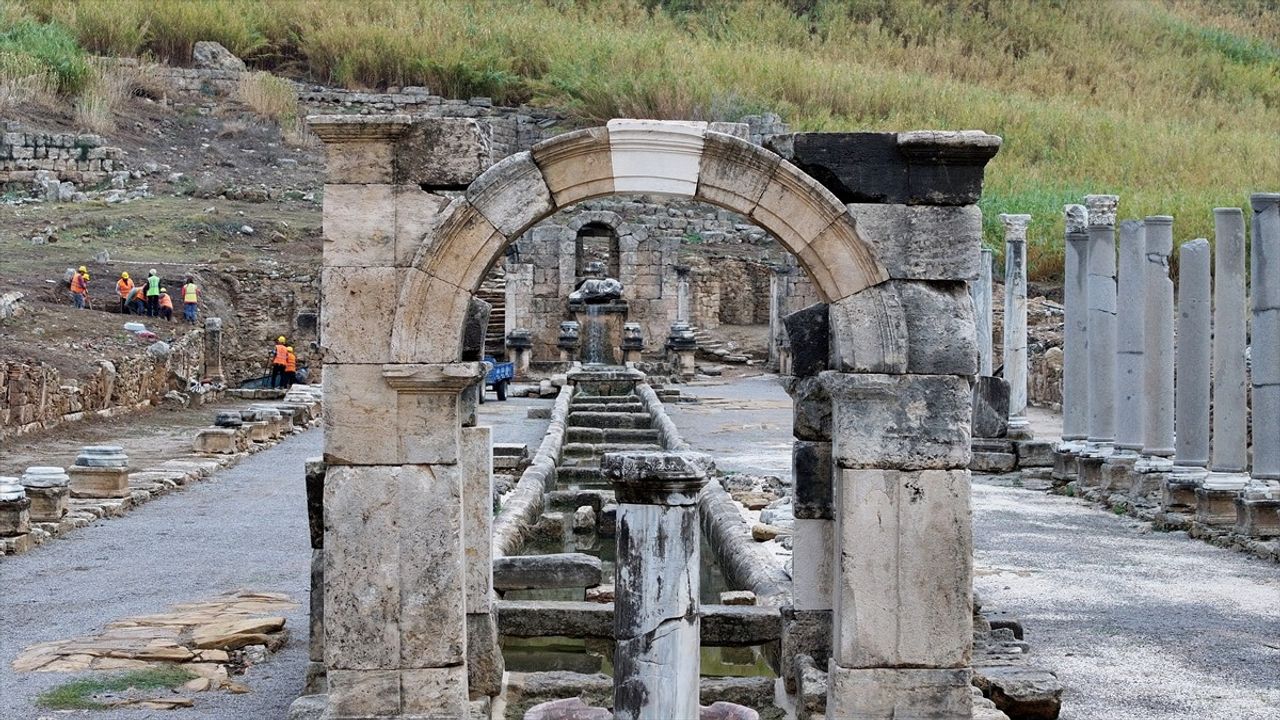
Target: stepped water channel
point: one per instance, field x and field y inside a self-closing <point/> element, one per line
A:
<point x="564" y="565"/>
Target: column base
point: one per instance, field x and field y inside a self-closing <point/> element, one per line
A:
<point x="898" y="694"/>
<point x="1064" y="460"/>
<point x="1116" y="475"/>
<point x="98" y="482"/>
<point x="1089" y="464"/>
<point x="1153" y="464"/>
<point x="1216" y="498"/>
<point x="1179" y="490"/>
<point x="1258" y="511"/>
<point x="1019" y="429"/>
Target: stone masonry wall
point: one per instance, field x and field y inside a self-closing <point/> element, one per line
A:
<point x="35" y="396"/>
<point x="70" y="157"/>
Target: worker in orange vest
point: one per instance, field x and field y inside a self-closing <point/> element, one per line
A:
<point x="166" y="305"/>
<point x="80" y="287"/>
<point x="123" y="287"/>
<point x="290" y="368"/>
<point x="279" y="358"/>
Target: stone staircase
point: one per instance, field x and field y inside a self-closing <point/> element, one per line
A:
<point x="712" y="348"/>
<point x="598" y="424"/>
<point x="493" y="291"/>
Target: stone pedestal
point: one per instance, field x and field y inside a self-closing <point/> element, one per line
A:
<point x="632" y="342"/>
<point x="569" y="340"/>
<point x="15" y="507"/>
<point x="600" y="331"/>
<point x="213" y="351"/>
<point x="656" y="623"/>
<point x="1015" y="322"/>
<point x="520" y="350"/>
<point x="682" y="348"/>
<point x="1065" y="458"/>
<point x="1216" y="499"/>
<point x="48" y="488"/>
<point x="1089" y="467"/>
<point x="217" y="441"/>
<point x="1258" y="513"/>
<point x="100" y="471"/>
<point x="1116" y="473"/>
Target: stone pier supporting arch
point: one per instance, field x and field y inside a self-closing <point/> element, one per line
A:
<point x="892" y="272"/>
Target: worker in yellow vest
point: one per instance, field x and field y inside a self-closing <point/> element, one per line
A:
<point x="190" y="299"/>
<point x="123" y="287"/>
<point x="166" y="305"/>
<point x="153" y="294"/>
<point x="80" y="287"/>
<point x="279" y="359"/>
<point x="290" y="367"/>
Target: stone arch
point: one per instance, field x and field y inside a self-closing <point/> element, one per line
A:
<point x="681" y="159"/>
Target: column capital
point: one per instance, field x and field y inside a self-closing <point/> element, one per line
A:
<point x="1261" y="202"/>
<point x="432" y="378"/>
<point x="657" y="478"/>
<point x="1102" y="210"/>
<point x="334" y="129"/>
<point x="1077" y="219"/>
<point x="1015" y="227"/>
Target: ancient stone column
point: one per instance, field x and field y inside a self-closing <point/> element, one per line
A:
<point x="1015" y="321"/>
<point x="484" y="658"/>
<point x="1157" y="377"/>
<point x="1265" y="348"/>
<point x="982" y="311"/>
<point x="1102" y="317"/>
<point x="1229" y="460"/>
<point x="213" y="351"/>
<point x="1102" y="338"/>
<point x="520" y="347"/>
<point x="1075" y="359"/>
<point x="1129" y="338"/>
<point x="1191" y="382"/>
<point x="656" y="617"/>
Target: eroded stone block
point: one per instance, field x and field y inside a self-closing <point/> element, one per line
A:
<point x="922" y="242"/>
<point x="904" y="584"/>
<point x="512" y="194"/>
<point x="907" y="422"/>
<point x="444" y="153"/>
<point x="809" y="332"/>
<point x="357" y="314"/>
<point x="359" y="225"/>
<point x="577" y="165"/>
<point x="896" y="694"/>
<point x="102" y="482"/>
<point x="811" y="470"/>
<point x="869" y="332"/>
<point x="475" y="462"/>
<point x="359" y="694"/>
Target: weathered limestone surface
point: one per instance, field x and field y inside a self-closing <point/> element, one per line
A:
<point x="1015" y="321"/>
<point x="922" y="242"/>
<point x="894" y="694"/>
<point x="577" y="165"/>
<point x="512" y="194"/>
<point x="809" y="331"/>
<point x="1265" y="368"/>
<point x="981" y="291"/>
<point x="1102" y="317"/>
<point x="1230" y="395"/>
<point x="905" y="422"/>
<point x="359" y="228"/>
<point x="1075" y="360"/>
<point x="904" y="326"/>
<point x="1129" y="338"/>
<point x="446" y="153"/>
<point x="559" y="570"/>
<point x="903" y="590"/>
<point x="1157" y="382"/>
<point x="1191" y="405"/>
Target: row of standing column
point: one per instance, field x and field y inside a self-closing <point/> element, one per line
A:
<point x="1121" y="405"/>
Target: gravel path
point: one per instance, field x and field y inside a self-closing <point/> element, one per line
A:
<point x="1139" y="625"/>
<point x="246" y="527"/>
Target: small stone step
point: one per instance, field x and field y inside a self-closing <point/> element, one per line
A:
<point x="582" y="476"/>
<point x="611" y="435"/>
<point x="634" y="407"/>
<point x="605" y="399"/>
<point x="595" y="450"/>
<point x="610" y="420"/>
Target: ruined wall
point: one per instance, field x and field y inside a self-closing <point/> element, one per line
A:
<point x="257" y="306"/>
<point x="35" y="396"/>
<point x="82" y="158"/>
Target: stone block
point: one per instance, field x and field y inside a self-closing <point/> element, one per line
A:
<point x="1034" y="453"/>
<point x="869" y="332"/>
<point x="432" y="567"/>
<point x="418" y="214"/>
<point x="429" y="328"/>
<point x="15" y="517"/>
<point x="994" y="463"/>
<point x="804" y="633"/>
<point x="653" y="156"/>
<point x="796" y="208"/>
<point x="359" y="694"/>
<point x="358" y="410"/>
<point x="856" y="167"/>
<point x="360" y="162"/>
<point x="922" y="242"/>
<point x="512" y="195"/>
<point x="809" y="332"/>
<point x="906" y="422"/>
<point x="734" y="174"/>
<point x="990" y="407"/>
<point x="444" y="153"/>
<point x="811" y="471"/>
<point x="465" y="239"/>
<point x="1216" y="507"/>
<point x="1089" y="470"/>
<point x="101" y="482"/>
<point x="484" y="656"/>
<point x="1020" y="691"/>
<point x="941" y="339"/>
<point x="48" y="504"/>
<point x="898" y="694"/>
<point x="1255" y="517"/>
<point x="946" y="167"/>
<point x="359" y="225"/>
<point x="315" y="645"/>
<point x="435" y="692"/>
<point x="1179" y="494"/>
<point x="811" y="409"/>
<point x="473" y="330"/>
<point x="475" y="462"/>
<point x="357" y="313"/>
<point x="362" y="583"/>
<point x="904" y="580"/>
<point x="576" y="166"/>
<point x="556" y="571"/>
<point x="813" y="553"/>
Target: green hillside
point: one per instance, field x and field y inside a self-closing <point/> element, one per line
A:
<point x="1174" y="104"/>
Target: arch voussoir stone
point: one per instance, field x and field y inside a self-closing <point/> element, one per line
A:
<point x="576" y="166"/>
<point x="734" y="172"/>
<point x="429" y="319"/>
<point x="512" y="194"/>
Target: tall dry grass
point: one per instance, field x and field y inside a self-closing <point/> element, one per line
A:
<point x="1173" y="104"/>
<point x="275" y="99"/>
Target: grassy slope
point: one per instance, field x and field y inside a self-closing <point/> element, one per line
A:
<point x="1173" y="104"/>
